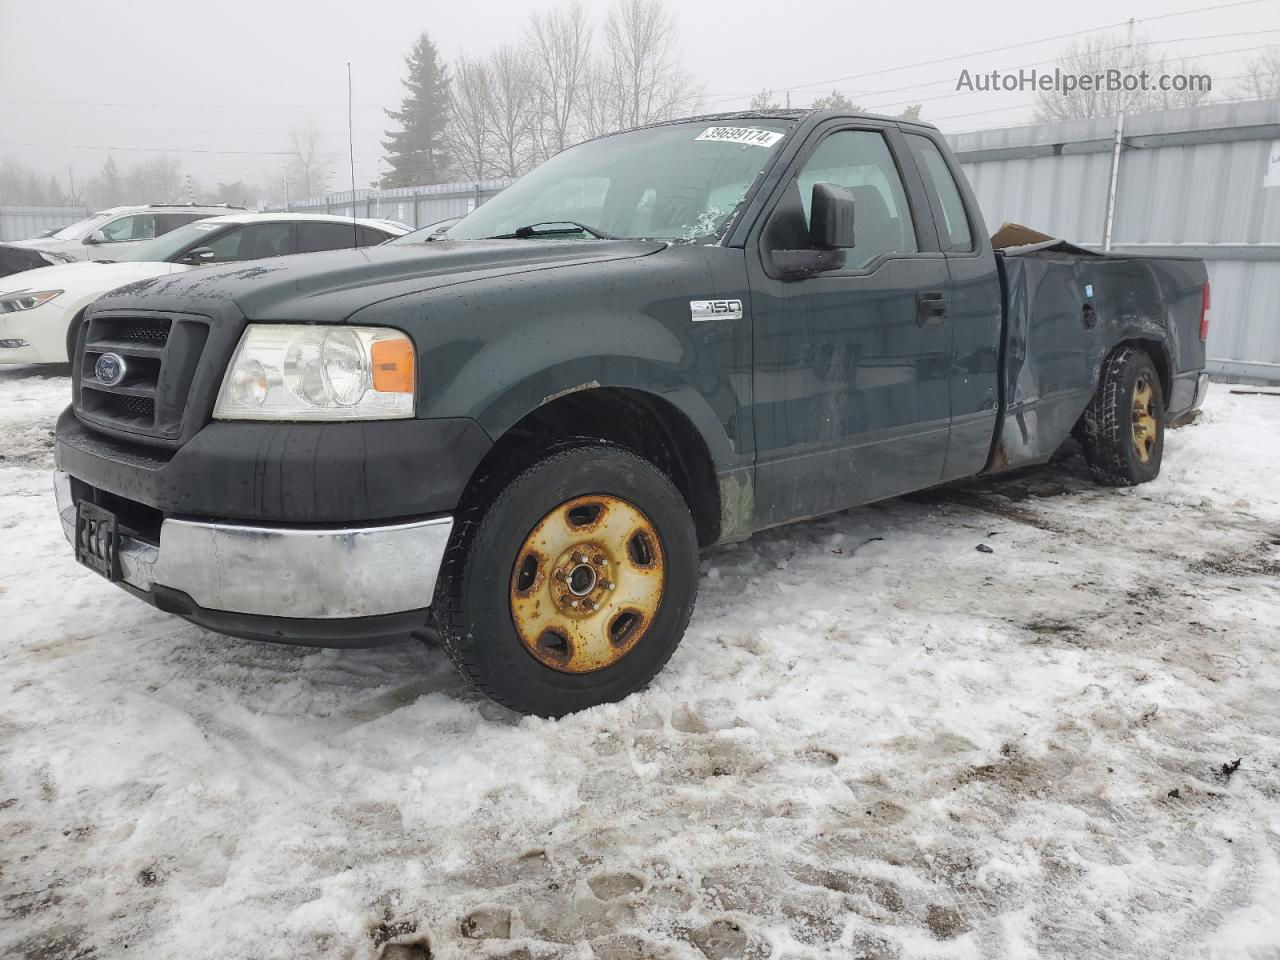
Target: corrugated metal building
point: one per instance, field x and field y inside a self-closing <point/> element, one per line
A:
<point x="21" y="223"/>
<point x="1202" y="182"/>
<point x="416" y="206"/>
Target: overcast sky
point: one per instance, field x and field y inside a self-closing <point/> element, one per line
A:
<point x="219" y="84"/>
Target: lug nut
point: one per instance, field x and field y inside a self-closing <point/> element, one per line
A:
<point x="573" y="603"/>
<point x="559" y="574"/>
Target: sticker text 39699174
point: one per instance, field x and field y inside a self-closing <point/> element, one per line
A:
<point x="753" y="136"/>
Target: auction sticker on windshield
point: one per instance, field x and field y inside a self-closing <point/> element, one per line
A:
<point x="749" y="135"/>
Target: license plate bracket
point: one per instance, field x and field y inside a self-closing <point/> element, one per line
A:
<point x="98" y="539"/>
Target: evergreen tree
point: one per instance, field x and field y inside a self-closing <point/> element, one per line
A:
<point x="836" y="100"/>
<point x="417" y="152"/>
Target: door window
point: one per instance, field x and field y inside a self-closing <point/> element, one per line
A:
<point x="369" y="237"/>
<point x="957" y="236"/>
<point x="138" y="226"/>
<point x="251" y="242"/>
<point x="316" y="235"/>
<point x="860" y="161"/>
<point x="171" y="221"/>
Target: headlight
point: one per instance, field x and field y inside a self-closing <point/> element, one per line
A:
<point x="298" y="372"/>
<point x="26" y="300"/>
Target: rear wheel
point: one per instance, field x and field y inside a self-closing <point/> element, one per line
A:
<point x="573" y="585"/>
<point x="1123" y="427"/>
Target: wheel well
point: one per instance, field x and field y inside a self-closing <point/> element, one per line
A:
<point x="645" y="424"/>
<point x="1159" y="355"/>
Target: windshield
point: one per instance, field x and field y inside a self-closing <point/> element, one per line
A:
<point x="680" y="182"/>
<point x="172" y="243"/>
<point x="81" y="228"/>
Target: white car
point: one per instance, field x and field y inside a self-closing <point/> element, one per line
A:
<point x="40" y="309"/>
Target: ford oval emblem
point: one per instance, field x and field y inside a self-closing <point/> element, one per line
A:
<point x="109" y="369"/>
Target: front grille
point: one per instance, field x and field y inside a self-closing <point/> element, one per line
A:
<point x="160" y="356"/>
<point x="143" y="331"/>
<point x="140" y="412"/>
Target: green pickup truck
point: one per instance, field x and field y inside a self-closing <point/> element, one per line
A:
<point x="516" y="433"/>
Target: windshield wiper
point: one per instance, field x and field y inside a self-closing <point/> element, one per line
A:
<point x="573" y="226"/>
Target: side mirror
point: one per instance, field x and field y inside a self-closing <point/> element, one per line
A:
<point x="830" y="234"/>
<point x="831" y="217"/>
<point x="98" y="236"/>
<point x="198" y="255"/>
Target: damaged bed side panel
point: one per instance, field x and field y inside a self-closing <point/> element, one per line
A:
<point x="1066" y="310"/>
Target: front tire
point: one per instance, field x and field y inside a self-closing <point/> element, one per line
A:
<point x="573" y="585"/>
<point x="1123" y="426"/>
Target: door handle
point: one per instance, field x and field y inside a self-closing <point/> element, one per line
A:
<point x="931" y="308"/>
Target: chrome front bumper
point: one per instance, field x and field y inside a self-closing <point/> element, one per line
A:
<point x="295" y="572"/>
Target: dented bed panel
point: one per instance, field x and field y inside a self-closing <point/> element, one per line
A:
<point x="1065" y="313"/>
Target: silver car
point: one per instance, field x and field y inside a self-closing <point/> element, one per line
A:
<point x="108" y="234"/>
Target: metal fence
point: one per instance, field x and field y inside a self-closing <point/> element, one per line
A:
<point x="1201" y="182"/>
<point x="23" y="223"/>
<point x="415" y="206"/>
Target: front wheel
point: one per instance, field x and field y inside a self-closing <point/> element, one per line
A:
<point x="1123" y="427"/>
<point x="573" y="585"/>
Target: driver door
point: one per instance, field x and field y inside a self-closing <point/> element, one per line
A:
<point x="851" y="365"/>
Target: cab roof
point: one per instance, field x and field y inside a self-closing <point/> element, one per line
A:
<point x="796" y="114"/>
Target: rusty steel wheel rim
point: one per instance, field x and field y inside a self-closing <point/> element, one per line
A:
<point x="1145" y="429"/>
<point x="587" y="583"/>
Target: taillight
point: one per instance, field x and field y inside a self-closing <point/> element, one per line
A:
<point x="1204" y="311"/>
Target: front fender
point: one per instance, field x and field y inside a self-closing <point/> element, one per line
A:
<point x="496" y="350"/>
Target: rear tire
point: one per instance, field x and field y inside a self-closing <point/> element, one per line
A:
<point x="591" y="527"/>
<point x="1122" y="430"/>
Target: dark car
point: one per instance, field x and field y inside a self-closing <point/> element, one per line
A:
<point x="518" y="432"/>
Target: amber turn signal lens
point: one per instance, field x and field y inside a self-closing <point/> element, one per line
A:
<point x="393" y="365"/>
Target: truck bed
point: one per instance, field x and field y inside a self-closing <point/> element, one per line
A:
<point x="1065" y="310"/>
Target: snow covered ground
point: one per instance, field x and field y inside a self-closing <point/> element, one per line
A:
<point x="876" y="741"/>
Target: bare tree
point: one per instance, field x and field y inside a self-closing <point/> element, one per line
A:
<point x="1262" y="80"/>
<point x="158" y="181"/>
<point x="1192" y="96"/>
<point x="1130" y="55"/>
<point x="512" y="99"/>
<point x="75" y="194"/>
<point x="600" y="108"/>
<point x="644" y="67"/>
<point x="470" y="117"/>
<point x="765" y="100"/>
<point x="560" y="46"/>
<point x="307" y="168"/>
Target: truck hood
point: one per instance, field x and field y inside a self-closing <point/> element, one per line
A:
<point x="329" y="287"/>
<point x="87" y="277"/>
